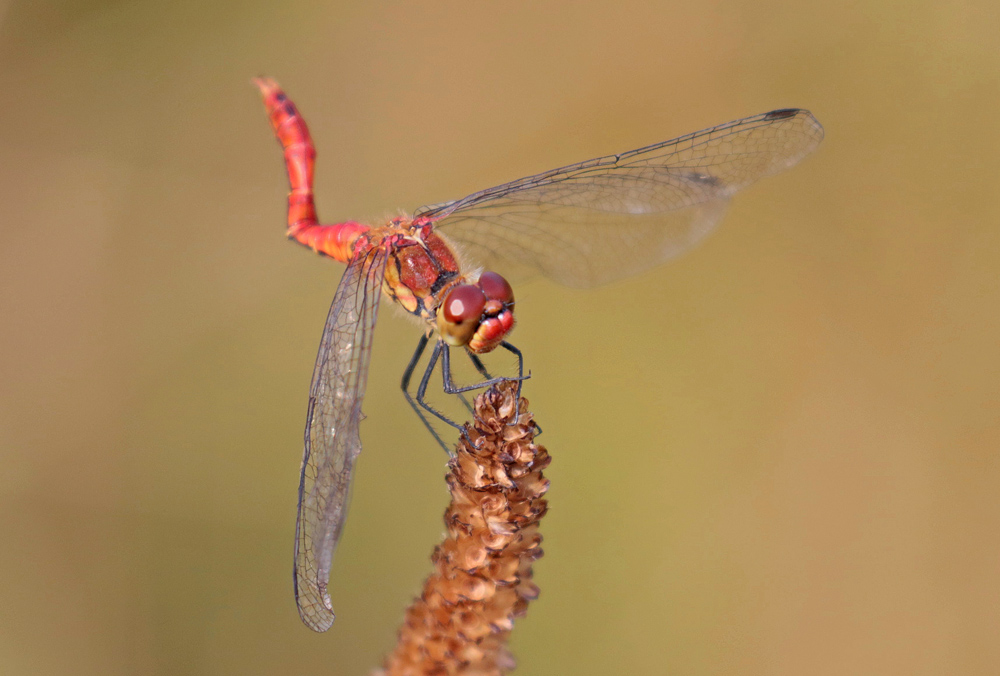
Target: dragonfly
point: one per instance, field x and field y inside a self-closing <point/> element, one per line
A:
<point x="581" y="225"/>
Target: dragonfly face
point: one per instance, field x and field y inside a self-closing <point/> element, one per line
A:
<point x="477" y="315"/>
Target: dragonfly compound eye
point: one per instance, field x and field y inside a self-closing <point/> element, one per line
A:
<point x="496" y="288"/>
<point x="460" y="314"/>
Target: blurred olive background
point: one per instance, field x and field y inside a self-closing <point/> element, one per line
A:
<point x="776" y="455"/>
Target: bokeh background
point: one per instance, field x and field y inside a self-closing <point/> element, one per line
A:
<point x="776" y="455"/>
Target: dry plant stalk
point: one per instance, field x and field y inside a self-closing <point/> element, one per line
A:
<point x="461" y="622"/>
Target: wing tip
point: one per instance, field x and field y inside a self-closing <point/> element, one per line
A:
<point x="316" y="618"/>
<point x="313" y="615"/>
<point x="318" y="623"/>
<point x="802" y="114"/>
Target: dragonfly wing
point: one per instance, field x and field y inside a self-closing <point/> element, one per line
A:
<point x="592" y="222"/>
<point x="332" y="440"/>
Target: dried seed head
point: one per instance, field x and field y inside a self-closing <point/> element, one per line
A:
<point x="481" y="582"/>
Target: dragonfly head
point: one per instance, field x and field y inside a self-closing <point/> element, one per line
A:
<point x="478" y="315"/>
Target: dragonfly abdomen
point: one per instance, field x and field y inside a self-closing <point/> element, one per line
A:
<point x="336" y="241"/>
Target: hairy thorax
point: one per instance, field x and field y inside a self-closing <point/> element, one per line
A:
<point x="420" y="271"/>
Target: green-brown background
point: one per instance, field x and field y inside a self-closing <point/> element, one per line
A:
<point x="777" y="455"/>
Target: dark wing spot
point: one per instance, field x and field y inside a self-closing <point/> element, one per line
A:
<point x="279" y="97"/>
<point x="290" y="108"/>
<point x="781" y="114"/>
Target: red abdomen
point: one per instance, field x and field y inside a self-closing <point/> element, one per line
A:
<point x="336" y="241"/>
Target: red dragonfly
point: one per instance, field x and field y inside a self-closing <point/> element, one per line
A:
<point x="582" y="225"/>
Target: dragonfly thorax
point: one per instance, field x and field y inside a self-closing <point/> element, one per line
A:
<point x="420" y="269"/>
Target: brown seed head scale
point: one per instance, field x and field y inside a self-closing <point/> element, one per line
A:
<point x="481" y="582"/>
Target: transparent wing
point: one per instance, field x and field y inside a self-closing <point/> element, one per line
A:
<point x="332" y="441"/>
<point x="596" y="221"/>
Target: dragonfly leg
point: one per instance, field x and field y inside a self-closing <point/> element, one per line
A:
<point x="405" y="386"/>
<point x="520" y="379"/>
<point x="478" y="363"/>
<point x="440" y="348"/>
<point x="443" y="352"/>
<point x="451" y="388"/>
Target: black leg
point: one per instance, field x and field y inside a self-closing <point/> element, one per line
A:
<point x="405" y="386"/>
<point x="408" y="373"/>
<point x="478" y="363"/>
<point x="465" y="402"/>
<point x="520" y="363"/>
<point x="520" y="379"/>
<point x="451" y="388"/>
<point x="520" y="372"/>
<point x="443" y="352"/>
<point x="440" y="348"/>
